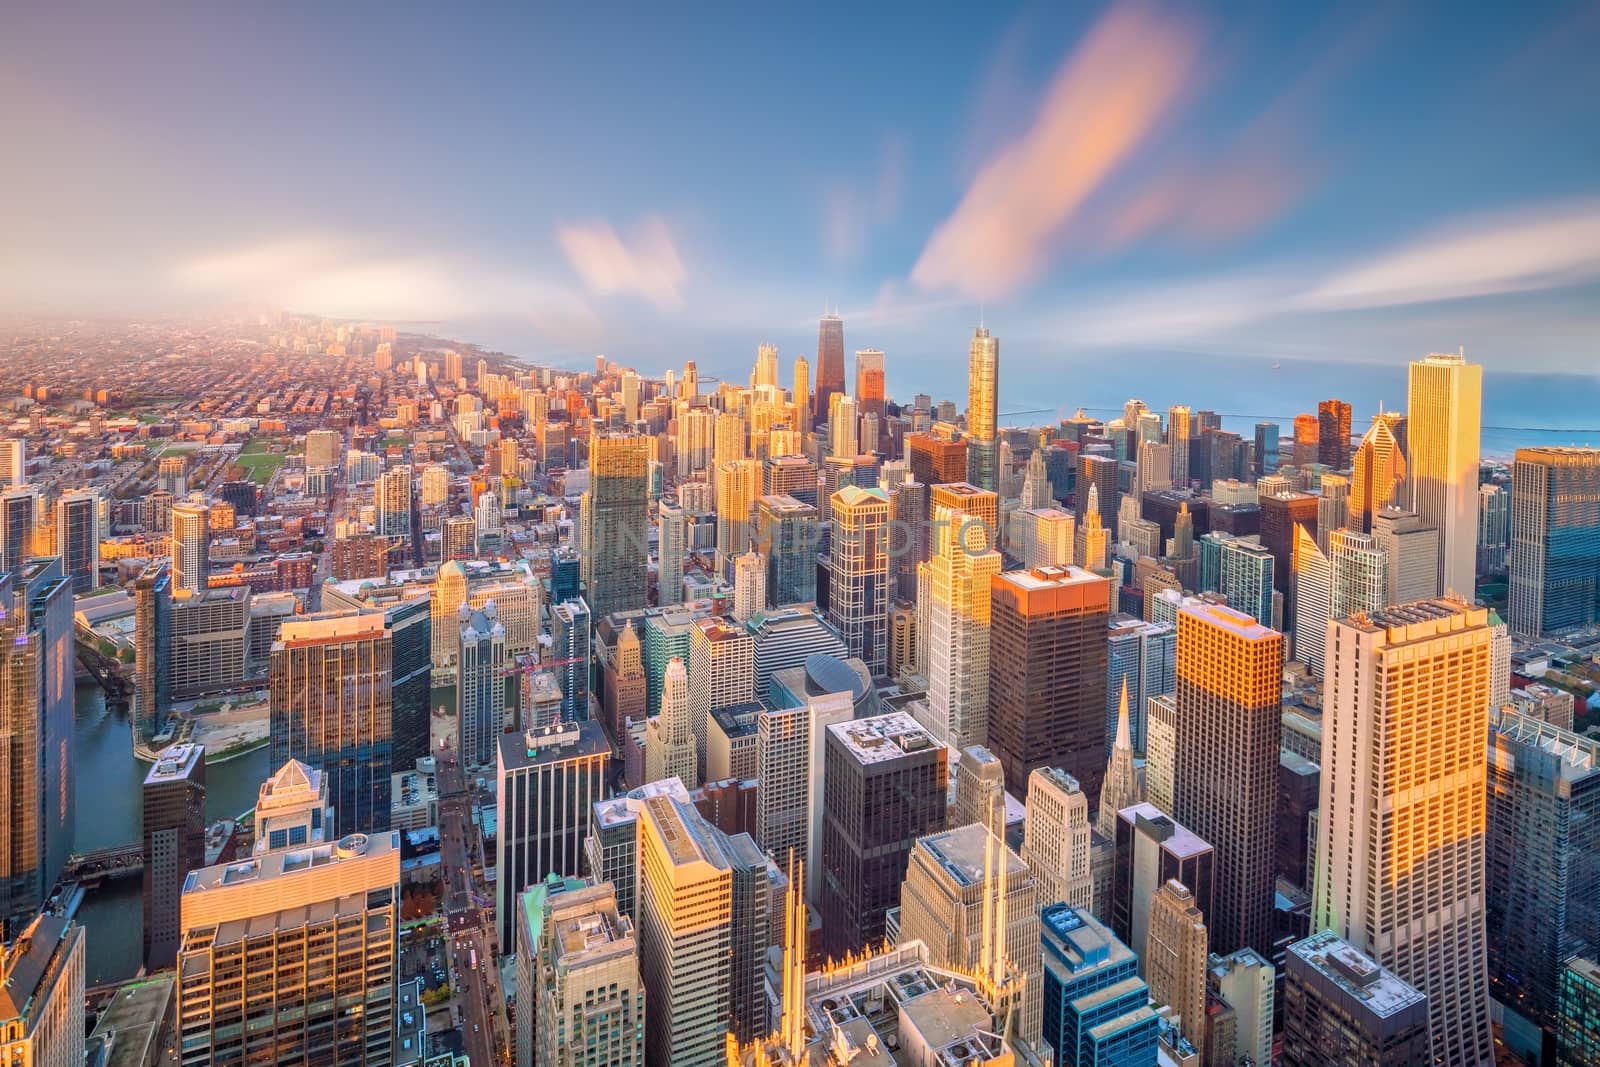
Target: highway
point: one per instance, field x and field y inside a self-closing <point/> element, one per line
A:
<point x="471" y="927"/>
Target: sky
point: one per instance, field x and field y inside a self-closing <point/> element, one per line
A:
<point x="1285" y="182"/>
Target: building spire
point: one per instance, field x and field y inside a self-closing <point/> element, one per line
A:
<point x="1121" y="788"/>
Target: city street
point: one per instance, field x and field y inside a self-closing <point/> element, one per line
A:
<point x="477" y="988"/>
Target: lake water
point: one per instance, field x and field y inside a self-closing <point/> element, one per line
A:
<point x="109" y="784"/>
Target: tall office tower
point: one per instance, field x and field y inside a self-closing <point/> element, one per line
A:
<point x="322" y="448"/>
<point x="458" y="538"/>
<point x="1161" y="751"/>
<point x="830" y="366"/>
<point x="1050" y="539"/>
<point x="731" y="438"/>
<point x="41" y="995"/>
<point x="973" y="902"/>
<point x="792" y="475"/>
<point x="983" y="411"/>
<point x="1377" y="471"/>
<point x="696" y="434"/>
<point x="191" y="546"/>
<point x="1341" y="1009"/>
<point x="1313" y="600"/>
<point x="669" y="738"/>
<point x="1180" y="428"/>
<point x="1333" y="434"/>
<point x="1445" y="416"/>
<point x="1241" y="569"/>
<point x="722" y="669"/>
<point x="786" y="530"/>
<point x="292" y="809"/>
<point x="1247" y="984"/>
<point x="1266" y="452"/>
<point x="616" y="564"/>
<point x="1093" y="537"/>
<point x="1047" y="650"/>
<point x="1555" y="540"/>
<point x="1121" y="787"/>
<point x="869" y="383"/>
<point x="1280" y="513"/>
<point x="1036" y="490"/>
<point x="801" y="396"/>
<point x="480" y="684"/>
<point x="1097" y="1008"/>
<point x="673" y="547"/>
<point x="843" y="428"/>
<point x="77" y="528"/>
<point x="1151" y="850"/>
<point x="152" y="641"/>
<point x="1333" y="506"/>
<point x="1229" y="702"/>
<point x="172" y="475"/>
<point x="1175" y="957"/>
<point x="766" y="365"/>
<point x="1578" y="1040"/>
<point x="1102" y="473"/>
<point x="979" y="529"/>
<point x="174" y="804"/>
<point x="1543" y="883"/>
<point x="1307" y="439"/>
<point x="36" y="736"/>
<point x="980" y="794"/>
<point x="13" y="462"/>
<point x="956" y="635"/>
<point x="332" y="706"/>
<point x="1056" y="839"/>
<point x="19" y="517"/>
<point x="570" y="632"/>
<point x="445" y="600"/>
<point x="1494" y="528"/>
<point x="737" y="485"/>
<point x="392" y="502"/>
<point x="584" y="998"/>
<point x="546" y="783"/>
<point x="1400" y="837"/>
<point x="1153" y="467"/>
<point x="488" y="519"/>
<point x="937" y="456"/>
<point x="685" y="935"/>
<point x="885" y="783"/>
<point x="1144" y="656"/>
<point x="790" y="745"/>
<point x="858" y="566"/>
<point x="256" y="935"/>
<point x="749" y="585"/>
<point x="1411" y="548"/>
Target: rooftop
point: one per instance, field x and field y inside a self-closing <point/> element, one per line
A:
<point x="177" y="762"/>
<point x="1050" y="577"/>
<point x="286" y="863"/>
<point x="960" y="852"/>
<point x="27" y="963"/>
<point x="561" y="741"/>
<point x="1174" y="837"/>
<point x="1381" y="991"/>
<point x="132" y="1022"/>
<point x="883" y="737"/>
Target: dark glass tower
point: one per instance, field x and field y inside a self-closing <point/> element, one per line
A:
<point x="830" y="365"/>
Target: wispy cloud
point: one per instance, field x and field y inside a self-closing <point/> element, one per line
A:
<point x="852" y="210"/>
<point x="646" y="265"/>
<point x="1110" y="94"/>
<point x="1548" y="248"/>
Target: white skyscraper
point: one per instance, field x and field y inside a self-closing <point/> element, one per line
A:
<point x="669" y="740"/>
<point x="191" y="546"/>
<point x="956" y="640"/>
<point x="1443" y="431"/>
<point x="749" y="585"/>
<point x="1401" y="832"/>
<point x="672" y="545"/>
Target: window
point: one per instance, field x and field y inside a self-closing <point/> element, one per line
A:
<point x="297" y="835"/>
<point x="278" y="839"/>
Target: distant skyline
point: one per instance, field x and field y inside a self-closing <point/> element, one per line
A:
<point x="1352" y="184"/>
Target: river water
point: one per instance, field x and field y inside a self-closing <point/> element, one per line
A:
<point x="108" y="787"/>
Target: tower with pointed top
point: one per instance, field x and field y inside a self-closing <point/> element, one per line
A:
<point x="983" y="412"/>
<point x="1093" y="537"/>
<point x="669" y="739"/>
<point x="1036" y="491"/>
<point x="1378" y="470"/>
<point x="1121" y="787"/>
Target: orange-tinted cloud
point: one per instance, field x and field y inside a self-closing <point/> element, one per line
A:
<point x="648" y="265"/>
<point x="1106" y="99"/>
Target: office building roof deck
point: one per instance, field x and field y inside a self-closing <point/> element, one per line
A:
<point x="1380" y="990"/>
<point x="883" y="737"/>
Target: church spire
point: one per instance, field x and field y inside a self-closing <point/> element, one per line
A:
<point x="1121" y="788"/>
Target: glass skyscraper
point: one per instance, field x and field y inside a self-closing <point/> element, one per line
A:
<point x="1555" y="540"/>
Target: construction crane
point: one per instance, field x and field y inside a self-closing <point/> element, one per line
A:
<point x="533" y="666"/>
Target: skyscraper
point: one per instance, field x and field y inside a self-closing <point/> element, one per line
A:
<point x="1307" y="439"/>
<point x="1543" y="882"/>
<point x="152" y="655"/>
<point x="1401" y="834"/>
<point x="737" y="485"/>
<point x="584" y="999"/>
<point x="1333" y="434"/>
<point x="802" y="392"/>
<point x="78" y="537"/>
<point x="1241" y="569"/>
<point x="392" y="503"/>
<point x="722" y="661"/>
<point x="617" y="560"/>
<point x="327" y="911"/>
<point x="786" y="530"/>
<point x="191" y="546"/>
<point x="1121" y="787"/>
<point x="174" y="804"/>
<point x="41" y="994"/>
<point x="885" y="784"/>
<point x="869" y="386"/>
<point x="546" y="784"/>
<point x="1150" y="851"/>
<point x="1445" y="416"/>
<point x="669" y="738"/>
<point x="830" y="366"/>
<point x="1229" y="705"/>
<point x="1555" y="540"/>
<point x="480" y="687"/>
<point x="1096" y="1007"/>
<point x="1056" y="838"/>
<point x="1179" y="429"/>
<point x="1378" y="470"/>
<point x="956" y="638"/>
<point x="673" y="546"/>
<point x="1341" y="1009"/>
<point x="858" y="562"/>
<point x="19" y="515"/>
<point x="791" y="741"/>
<point x="1047" y="685"/>
<point x="13" y="462"/>
<point x="332" y="707"/>
<point x="983" y="411"/>
<point x="1175" y="957"/>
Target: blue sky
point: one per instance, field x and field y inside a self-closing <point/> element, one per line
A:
<point x="1291" y="182"/>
